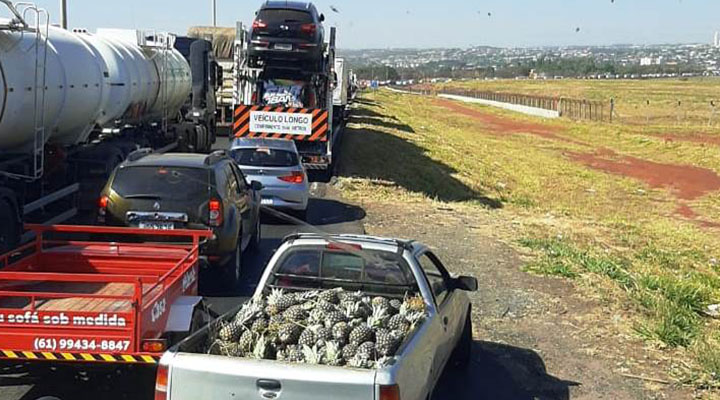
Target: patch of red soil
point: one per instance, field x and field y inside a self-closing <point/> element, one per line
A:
<point x="501" y="125"/>
<point x="712" y="140"/>
<point x="688" y="213"/>
<point x="687" y="182"/>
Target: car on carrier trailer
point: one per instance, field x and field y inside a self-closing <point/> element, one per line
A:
<point x="67" y="299"/>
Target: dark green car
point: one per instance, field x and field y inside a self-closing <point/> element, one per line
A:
<point x="187" y="191"/>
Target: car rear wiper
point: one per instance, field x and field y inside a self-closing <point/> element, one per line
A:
<point x="144" y="196"/>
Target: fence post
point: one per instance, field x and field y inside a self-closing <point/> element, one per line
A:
<point x="612" y="109"/>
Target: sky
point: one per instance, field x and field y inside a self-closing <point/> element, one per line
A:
<point x="446" y="23"/>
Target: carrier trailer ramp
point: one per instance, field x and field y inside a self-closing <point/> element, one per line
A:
<point x="286" y="101"/>
<point x="64" y="299"/>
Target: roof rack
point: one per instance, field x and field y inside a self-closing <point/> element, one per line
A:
<point x="404" y="244"/>
<point x="216" y="156"/>
<point x="139" y="153"/>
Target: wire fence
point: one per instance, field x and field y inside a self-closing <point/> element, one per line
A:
<point x="577" y="109"/>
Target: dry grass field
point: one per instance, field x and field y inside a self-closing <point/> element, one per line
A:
<point x="628" y="212"/>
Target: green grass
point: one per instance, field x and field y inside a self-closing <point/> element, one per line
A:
<point x="608" y="232"/>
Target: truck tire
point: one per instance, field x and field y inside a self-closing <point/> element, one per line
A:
<point x="9" y="227"/>
<point x="463" y="349"/>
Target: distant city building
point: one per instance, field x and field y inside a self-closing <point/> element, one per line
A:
<point x="716" y="40"/>
<point x="646" y="61"/>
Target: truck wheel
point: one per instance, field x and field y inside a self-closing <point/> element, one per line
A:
<point x="463" y="350"/>
<point x="9" y="229"/>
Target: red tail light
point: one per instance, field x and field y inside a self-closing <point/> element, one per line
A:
<point x="343" y="246"/>
<point x="297" y="177"/>
<point x="102" y="208"/>
<point x="258" y="24"/>
<point x="389" y="392"/>
<point x="308" y="29"/>
<point x="161" y="382"/>
<point x="215" y="213"/>
<point x="154" y="345"/>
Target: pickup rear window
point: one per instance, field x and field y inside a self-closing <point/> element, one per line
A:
<point x="265" y="157"/>
<point x="322" y="268"/>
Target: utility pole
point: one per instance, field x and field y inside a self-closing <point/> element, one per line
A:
<point x="214" y="12"/>
<point x="63" y="14"/>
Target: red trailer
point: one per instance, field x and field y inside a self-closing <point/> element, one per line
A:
<point x="65" y="299"/>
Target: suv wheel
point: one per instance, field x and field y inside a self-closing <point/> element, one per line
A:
<point x="257" y="237"/>
<point x="231" y="270"/>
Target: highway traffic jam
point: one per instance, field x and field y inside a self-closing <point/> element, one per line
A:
<point x="120" y="201"/>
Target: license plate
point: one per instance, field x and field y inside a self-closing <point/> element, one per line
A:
<point x="283" y="46"/>
<point x="266" y="202"/>
<point x="161" y="226"/>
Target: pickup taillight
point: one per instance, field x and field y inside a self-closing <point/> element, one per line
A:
<point x="389" y="392"/>
<point x="215" y="213"/>
<point x="161" y="382"/>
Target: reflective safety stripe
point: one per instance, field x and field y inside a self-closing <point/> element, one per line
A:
<point x="79" y="357"/>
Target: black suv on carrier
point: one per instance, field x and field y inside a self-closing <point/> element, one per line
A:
<point x="287" y="31"/>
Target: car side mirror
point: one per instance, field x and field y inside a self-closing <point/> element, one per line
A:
<point x="322" y="17"/>
<point x="256" y="186"/>
<point x="466" y="283"/>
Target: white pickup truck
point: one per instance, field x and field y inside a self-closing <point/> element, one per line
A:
<point x="376" y="266"/>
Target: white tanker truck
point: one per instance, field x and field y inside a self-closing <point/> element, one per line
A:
<point x="73" y="105"/>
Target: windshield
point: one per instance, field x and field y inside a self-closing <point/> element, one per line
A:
<point x="161" y="182"/>
<point x="265" y="157"/>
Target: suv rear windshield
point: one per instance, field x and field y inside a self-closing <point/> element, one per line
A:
<point x="265" y="157"/>
<point x="161" y="182"/>
<point x="367" y="270"/>
<point x="274" y="15"/>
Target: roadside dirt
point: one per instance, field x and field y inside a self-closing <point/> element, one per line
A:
<point x="535" y="337"/>
<point x="702" y="139"/>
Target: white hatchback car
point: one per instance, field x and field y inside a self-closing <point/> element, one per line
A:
<point x="277" y="165"/>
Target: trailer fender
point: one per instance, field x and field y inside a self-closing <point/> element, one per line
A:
<point x="181" y="313"/>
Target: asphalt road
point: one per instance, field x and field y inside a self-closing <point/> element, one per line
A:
<point x="32" y="382"/>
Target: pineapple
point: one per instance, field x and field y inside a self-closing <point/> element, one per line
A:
<point x="323" y="335"/>
<point x="333" y="318"/>
<point x="307" y="337"/>
<point x="316" y="317"/>
<point x="330" y="296"/>
<point x="230" y="332"/>
<point x="355" y="322"/>
<point x="380" y="302"/>
<point x="378" y="317"/>
<point x="349" y="351"/>
<point x="246" y="342"/>
<point x="367" y="351"/>
<point x="333" y="354"/>
<point x="340" y="332"/>
<point x="286" y="301"/>
<point x="325" y="306"/>
<point x="361" y="334"/>
<point x="312" y="355"/>
<point x="229" y="349"/>
<point x="293" y="354"/>
<point x="415" y="318"/>
<point x="259" y="326"/>
<point x="387" y="342"/>
<point x="295" y="313"/>
<point x="398" y="323"/>
<point x="415" y="303"/>
<point x="289" y="333"/>
<point x="261" y="350"/>
<point x="358" y="361"/>
<point x="272" y="301"/>
<point x="395" y="305"/>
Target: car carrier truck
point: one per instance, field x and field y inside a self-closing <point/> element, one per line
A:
<point x="73" y="105"/>
<point x="287" y="102"/>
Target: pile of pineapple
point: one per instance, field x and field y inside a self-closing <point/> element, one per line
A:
<point x="330" y="327"/>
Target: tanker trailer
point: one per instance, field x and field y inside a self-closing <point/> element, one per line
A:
<point x="73" y="105"/>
